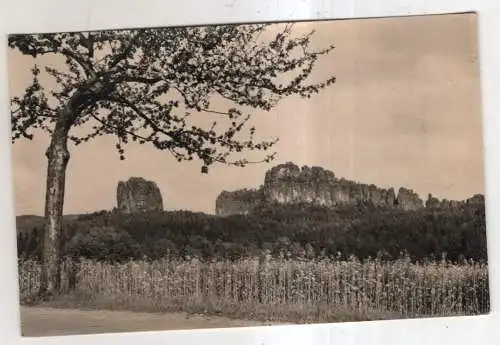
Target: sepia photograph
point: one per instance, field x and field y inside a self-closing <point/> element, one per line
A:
<point x="253" y="174"/>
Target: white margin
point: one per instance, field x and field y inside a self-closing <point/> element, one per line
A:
<point x="23" y="16"/>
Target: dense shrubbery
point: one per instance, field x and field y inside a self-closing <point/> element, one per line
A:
<point x="290" y="231"/>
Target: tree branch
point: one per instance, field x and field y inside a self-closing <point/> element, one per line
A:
<point x="132" y="106"/>
<point x="138" y="79"/>
<point x="86" y="66"/>
<point x="132" y="134"/>
<point x="105" y="124"/>
<point x="89" y="44"/>
<point x="215" y="112"/>
<point x="126" y="51"/>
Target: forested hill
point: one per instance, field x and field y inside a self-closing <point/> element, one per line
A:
<point x="291" y="230"/>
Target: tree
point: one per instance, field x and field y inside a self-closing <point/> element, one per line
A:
<point x="102" y="243"/>
<point x="145" y="85"/>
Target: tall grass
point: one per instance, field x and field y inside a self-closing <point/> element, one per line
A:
<point x="275" y="289"/>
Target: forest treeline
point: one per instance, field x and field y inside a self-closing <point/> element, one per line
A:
<point x="282" y="230"/>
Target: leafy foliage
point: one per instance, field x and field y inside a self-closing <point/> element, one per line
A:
<point x="145" y="85"/>
<point x="286" y="230"/>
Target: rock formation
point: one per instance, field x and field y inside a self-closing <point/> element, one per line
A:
<point x="238" y="202"/>
<point x="138" y="194"/>
<point x="288" y="184"/>
<point x="408" y="199"/>
<point x="476" y="199"/>
<point x="433" y="202"/>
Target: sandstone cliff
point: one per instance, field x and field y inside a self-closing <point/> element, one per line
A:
<point x="287" y="183"/>
<point x="138" y="194"/>
<point x="433" y="202"/>
<point x="238" y="202"/>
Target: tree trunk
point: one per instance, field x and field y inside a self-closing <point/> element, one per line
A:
<point x="58" y="157"/>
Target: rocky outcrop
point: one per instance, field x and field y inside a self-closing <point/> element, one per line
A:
<point x="288" y="184"/>
<point x="432" y="202"/>
<point x="435" y="203"/>
<point x="476" y="199"/>
<point x="137" y="195"/>
<point x="238" y="202"/>
<point x="408" y="200"/>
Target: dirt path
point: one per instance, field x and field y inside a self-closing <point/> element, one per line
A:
<point x="37" y="321"/>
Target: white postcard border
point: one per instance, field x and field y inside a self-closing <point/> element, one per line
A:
<point x="22" y="16"/>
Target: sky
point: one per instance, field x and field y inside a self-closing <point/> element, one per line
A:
<point x="404" y="111"/>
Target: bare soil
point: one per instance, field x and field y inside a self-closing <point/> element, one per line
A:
<point x="42" y="321"/>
